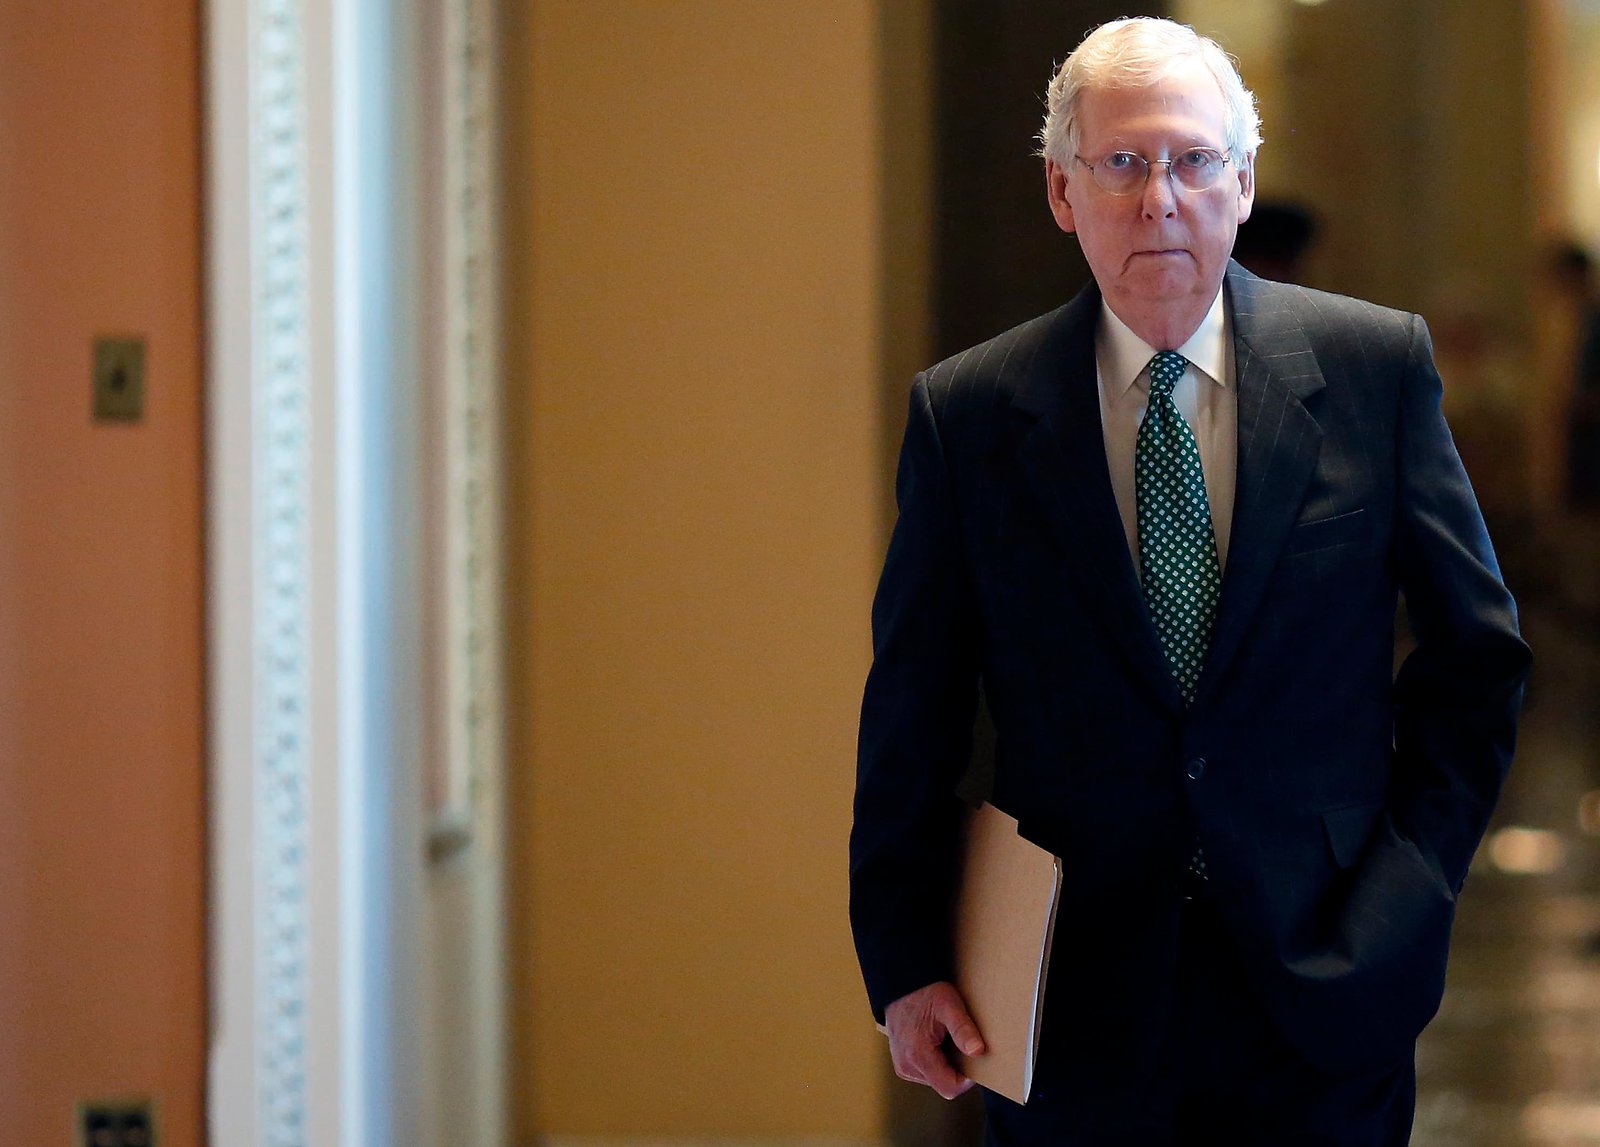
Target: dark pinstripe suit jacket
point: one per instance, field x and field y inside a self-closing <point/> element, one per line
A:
<point x="1339" y="805"/>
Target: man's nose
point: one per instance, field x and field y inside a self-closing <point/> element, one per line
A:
<point x="1160" y="198"/>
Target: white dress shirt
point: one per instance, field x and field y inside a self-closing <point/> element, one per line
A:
<point x="1206" y="396"/>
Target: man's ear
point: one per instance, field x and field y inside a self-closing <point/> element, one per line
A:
<point x="1247" y="186"/>
<point x="1055" y="189"/>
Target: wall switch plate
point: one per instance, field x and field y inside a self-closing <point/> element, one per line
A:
<point x="118" y="379"/>
<point x="116" y="1123"/>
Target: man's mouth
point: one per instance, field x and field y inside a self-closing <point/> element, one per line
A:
<point x="1158" y="255"/>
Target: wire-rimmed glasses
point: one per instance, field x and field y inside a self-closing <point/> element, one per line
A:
<point x="1125" y="172"/>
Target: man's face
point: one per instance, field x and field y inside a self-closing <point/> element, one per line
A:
<point x="1161" y="249"/>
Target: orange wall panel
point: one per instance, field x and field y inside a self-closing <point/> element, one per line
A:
<point x="102" y="982"/>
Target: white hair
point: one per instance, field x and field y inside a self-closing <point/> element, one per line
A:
<point x="1135" y="53"/>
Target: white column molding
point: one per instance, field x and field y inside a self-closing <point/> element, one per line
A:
<point x="280" y="378"/>
<point x="301" y="947"/>
<point x="235" y="1044"/>
<point x="466" y="997"/>
<point x="358" y="989"/>
<point x="463" y="314"/>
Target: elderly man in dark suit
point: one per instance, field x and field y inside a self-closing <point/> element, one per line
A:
<point x="1165" y="526"/>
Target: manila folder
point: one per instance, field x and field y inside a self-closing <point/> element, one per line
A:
<point x="1005" y="915"/>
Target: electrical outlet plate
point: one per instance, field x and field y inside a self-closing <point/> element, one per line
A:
<point x="118" y="379"/>
<point x="116" y="1123"/>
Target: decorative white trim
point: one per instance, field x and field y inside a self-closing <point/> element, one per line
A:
<point x="470" y="737"/>
<point x="233" y="1095"/>
<point x="344" y="966"/>
<point x="280" y="382"/>
<point x="301" y="944"/>
<point x="465" y="1012"/>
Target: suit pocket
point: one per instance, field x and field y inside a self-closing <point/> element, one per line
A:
<point x="1325" y="533"/>
<point x="1349" y="827"/>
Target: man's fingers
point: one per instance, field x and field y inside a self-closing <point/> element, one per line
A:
<point x="965" y="1035"/>
<point x="938" y="1074"/>
<point x="904" y="1066"/>
<point x="918" y="1023"/>
<point x="926" y="1064"/>
<point x="952" y="1013"/>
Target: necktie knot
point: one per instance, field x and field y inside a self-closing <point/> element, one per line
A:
<point x="1166" y="368"/>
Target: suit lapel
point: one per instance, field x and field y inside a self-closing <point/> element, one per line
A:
<point x="1064" y="457"/>
<point x="1279" y="440"/>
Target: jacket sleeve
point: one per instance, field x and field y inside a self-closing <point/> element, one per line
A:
<point x="1457" y="695"/>
<point x="916" y="729"/>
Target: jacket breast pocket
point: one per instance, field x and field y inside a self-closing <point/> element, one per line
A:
<point x="1326" y="533"/>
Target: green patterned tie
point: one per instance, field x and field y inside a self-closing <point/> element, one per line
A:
<point x="1177" y="548"/>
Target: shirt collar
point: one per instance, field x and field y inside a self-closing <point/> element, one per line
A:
<point x="1123" y="355"/>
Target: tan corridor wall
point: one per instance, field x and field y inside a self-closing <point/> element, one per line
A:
<point x="102" y="982"/>
<point x="693" y="314"/>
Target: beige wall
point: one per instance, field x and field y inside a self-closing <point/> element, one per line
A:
<point x="1410" y="129"/>
<point x="1254" y="32"/>
<point x="1405" y="126"/>
<point x="693" y="435"/>
<point x="1580" y="147"/>
<point x="101" y="893"/>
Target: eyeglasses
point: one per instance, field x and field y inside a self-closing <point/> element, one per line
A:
<point x="1123" y="172"/>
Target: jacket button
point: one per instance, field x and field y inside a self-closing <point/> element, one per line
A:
<point x="1196" y="768"/>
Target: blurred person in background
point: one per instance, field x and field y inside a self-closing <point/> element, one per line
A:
<point x="1485" y="400"/>
<point x="1166" y="526"/>
<point x="1275" y="240"/>
<point x="1573" y="274"/>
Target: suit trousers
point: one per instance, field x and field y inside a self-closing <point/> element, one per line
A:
<point x="1230" y="1080"/>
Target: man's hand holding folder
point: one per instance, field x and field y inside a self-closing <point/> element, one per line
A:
<point x="918" y="1024"/>
<point x="1004" y="920"/>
